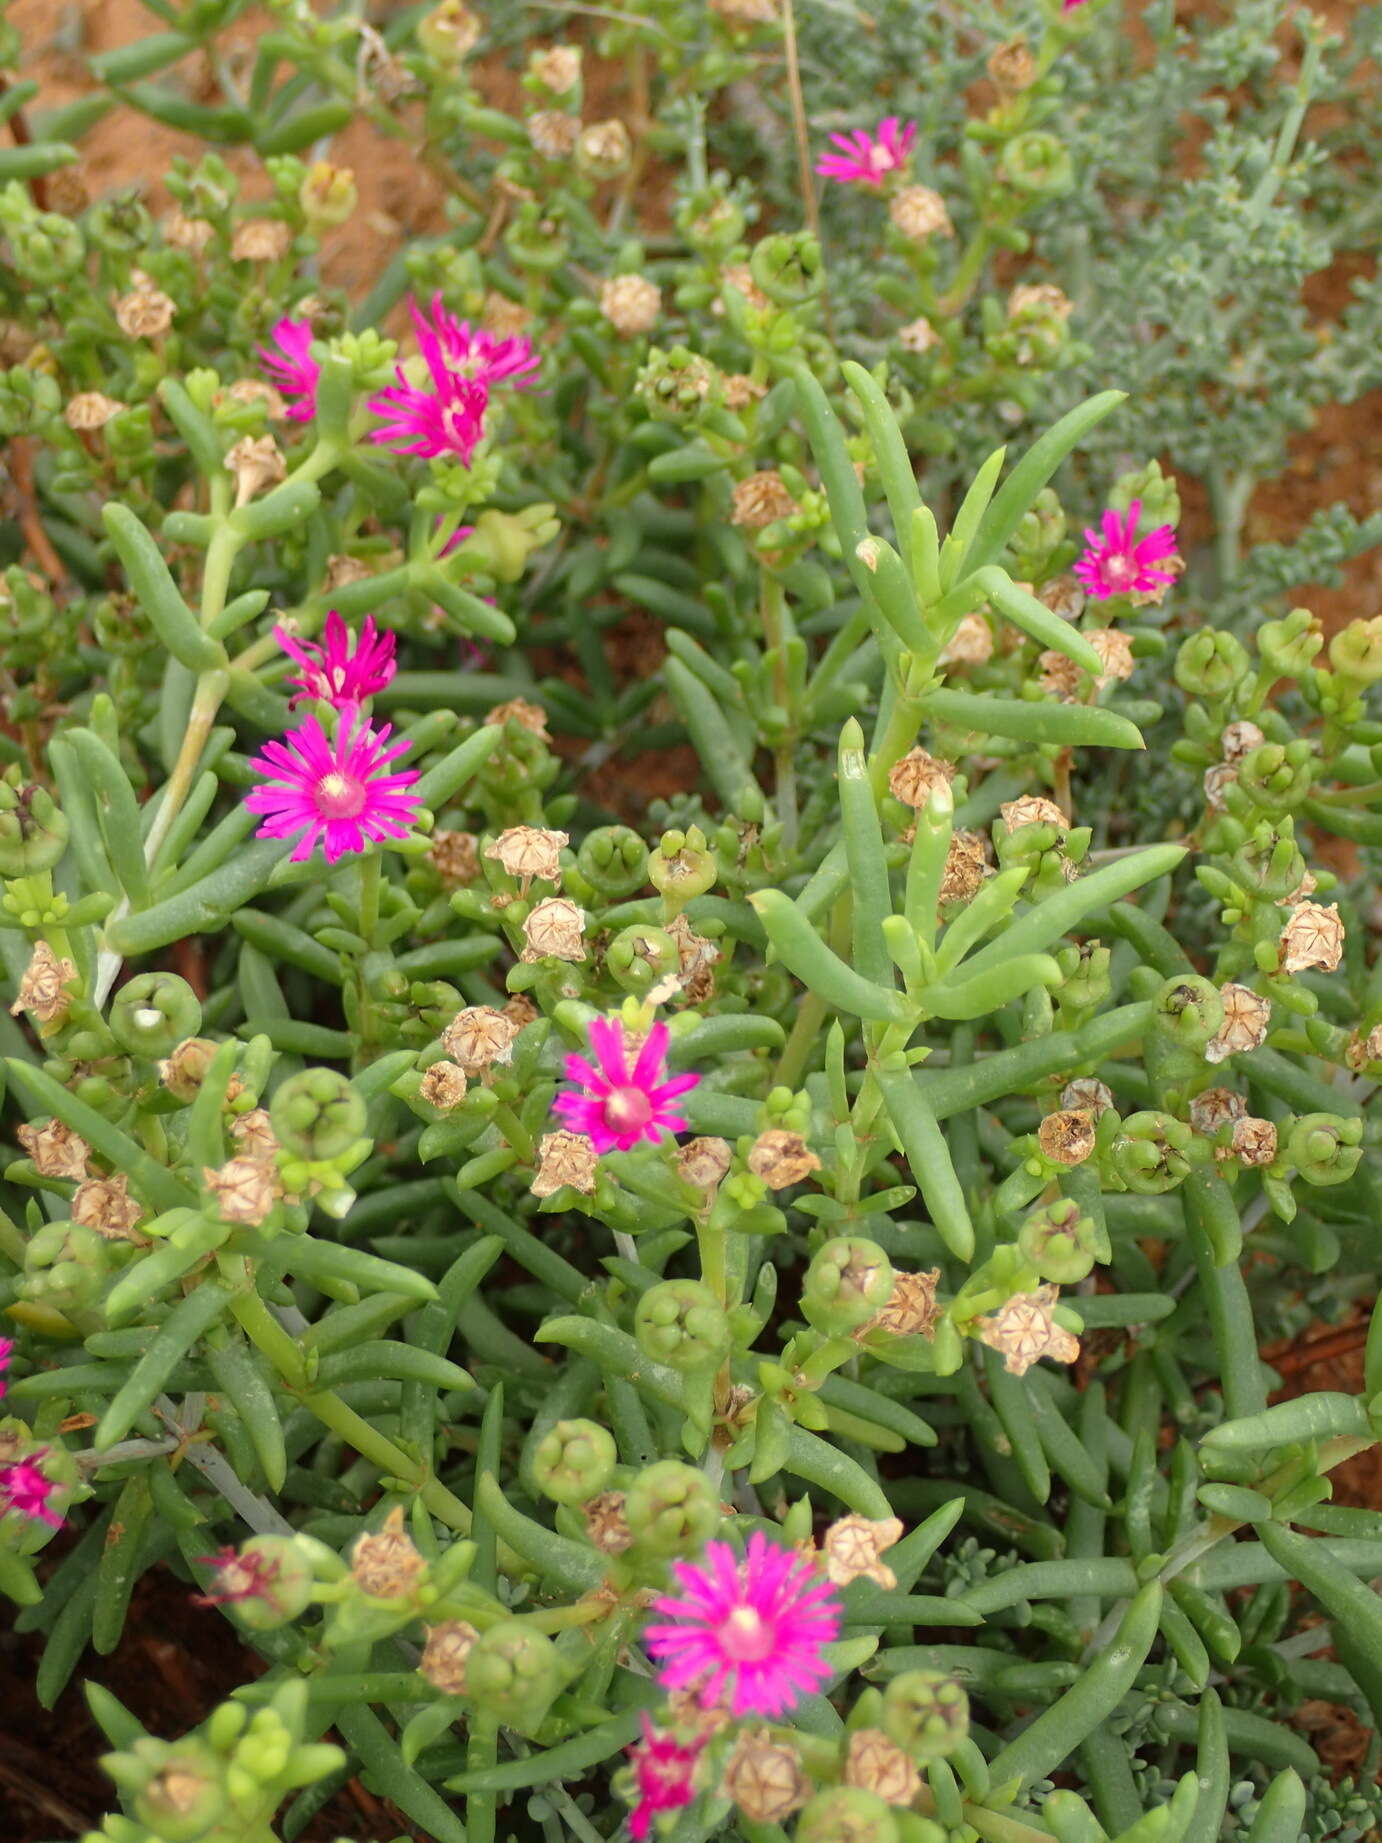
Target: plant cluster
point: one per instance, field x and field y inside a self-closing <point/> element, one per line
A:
<point x="740" y="1315"/>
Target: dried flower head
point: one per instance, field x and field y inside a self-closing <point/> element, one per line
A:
<point x="1012" y="67"/>
<point x="781" y="1158"/>
<point x="455" y="857"/>
<point x="741" y="390"/>
<point x="565" y="1158"/>
<point x="529" y="851"/>
<point x="971" y="644"/>
<point x="918" y="336"/>
<point x="1217" y="777"/>
<point x="554" y="929"/>
<point x="1306" y="887"/>
<point x="146" y="311"/>
<point x="760" y="500"/>
<point x="604" y="148"/>
<point x="877" y="1764"/>
<point x="622" y="1105"/>
<point x="1039" y="301"/>
<point x="912" y="779"/>
<point x="185" y="233"/>
<point x="557" y="69"/>
<point x="911" y="1309"/>
<point x="444" y="1655"/>
<point x="254" y="463"/>
<point x="754" y="1630"/>
<point x="443" y="1085"/>
<point x="703" y="1162"/>
<point x="1214" y="1108"/>
<point x="554" y="134"/>
<point x="244" y="1189"/>
<point x="605" y="1523"/>
<point x="1094" y="1097"/>
<point x="105" y="1205"/>
<point x="253" y="1135"/>
<point x="966" y="867"/>
<point x="1024" y="1330"/>
<point x="853" y="1547"/>
<point x="260" y="240"/>
<point x="1313" y="938"/>
<point x="739" y="276"/>
<point x="746" y="12"/>
<point x="43" y="987"/>
<point x="919" y="213"/>
<point x="696" y="957"/>
<point x="531" y="717"/>
<point x="55" y="1149"/>
<point x="1059" y="676"/>
<point x="1115" y="654"/>
<point x="1067" y="1137"/>
<point x="479" y="1037"/>
<point x="384" y="1563"/>
<point x="867" y="159"/>
<point x="1032" y="810"/>
<point x="1240" y="739"/>
<point x="631" y="304"/>
<point x="764" y="1777"/>
<point x="183" y="1072"/>
<point x="1247" y="1017"/>
<point x="1254" y="1141"/>
<point x="90" y="409"/>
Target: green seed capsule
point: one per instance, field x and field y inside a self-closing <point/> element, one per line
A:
<point x="153" y="1013"/>
<point x="317" y="1114"/>
<point x="682" y="1324"/>
<point x="671" y="1508"/>
<point x="574" y="1461"/>
<point x="846" y="1814"/>
<point x="926" y="1712"/>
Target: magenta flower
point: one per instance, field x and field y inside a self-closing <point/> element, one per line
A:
<point x="867" y="158"/>
<point x="1115" y="563"/>
<point x="1070" y="5"/>
<point x="6" y="1352"/>
<point x="335" y="670"/>
<point x="474" y="353"/>
<point x="24" y="1487"/>
<point x="292" y="368"/>
<point x="664" y="1772"/>
<point x="332" y="791"/>
<point x="755" y="1627"/>
<point x="623" y="1105"/>
<point x="448" y="419"/>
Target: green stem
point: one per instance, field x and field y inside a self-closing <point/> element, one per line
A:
<point x="369" y="895"/>
<point x="772" y="600"/>
<point x="811" y="1015"/>
<point x="967" y="274"/>
<point x="516" y="1135"/>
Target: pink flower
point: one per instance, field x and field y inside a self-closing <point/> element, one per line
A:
<point x="477" y="354"/>
<point x="623" y="1105"/>
<point x="23" y="1487"/>
<point x="1114" y="563"/>
<point x="1070" y="5"/>
<point x="292" y="368"/>
<point x="757" y="1627"/>
<point x="866" y="158"/>
<point x="664" y="1773"/>
<point x="6" y="1352"/>
<point x="447" y="419"/>
<point x="335" y="671"/>
<point x="457" y="538"/>
<point x="332" y="790"/>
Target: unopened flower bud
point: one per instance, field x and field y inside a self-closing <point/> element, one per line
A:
<point x="849" y="1280"/>
<point x="449" y="32"/>
<point x="1287" y="647"/>
<point x="513" y="1671"/>
<point x="1190" y="1010"/>
<point x="183" y="1799"/>
<point x="1211" y="664"/>
<point x="153" y="1012"/>
<point x="33" y="830"/>
<point x="846" y="1814"/>
<point x="682" y="1324"/>
<point x="1356" y="650"/>
<point x="671" y="1509"/>
<point x="328" y="195"/>
<point x="65" y="1265"/>
<point x="1325" y="1148"/>
<point x="574" y="1460"/>
<point x="317" y="1115"/>
<point x="926" y="1713"/>
<point x="1148" y="1152"/>
<point x="268" y="1580"/>
<point x="446" y="1654"/>
<point x="1059" y="1241"/>
<point x="1277" y="776"/>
